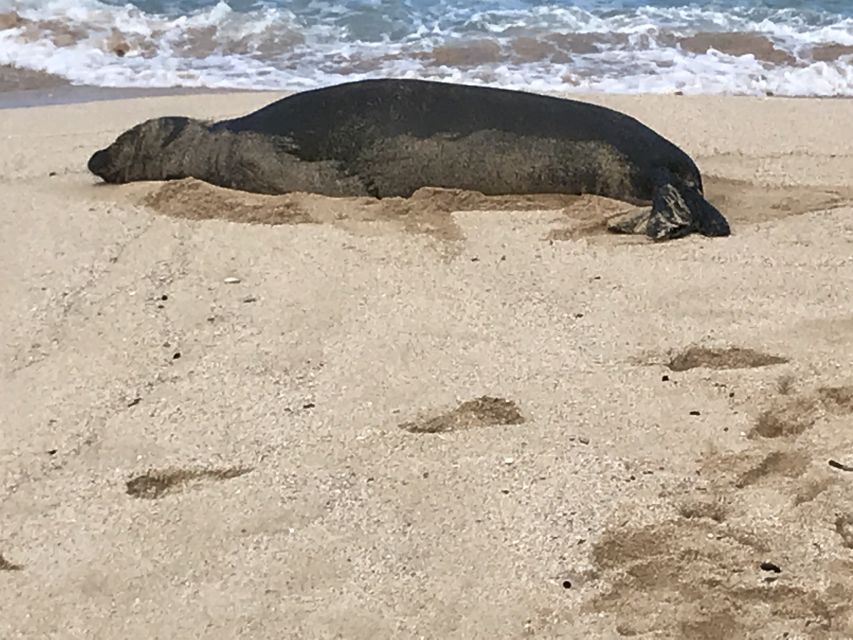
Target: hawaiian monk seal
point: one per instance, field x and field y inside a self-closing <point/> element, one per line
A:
<point x="389" y="137"/>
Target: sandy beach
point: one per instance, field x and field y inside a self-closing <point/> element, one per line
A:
<point x="238" y="416"/>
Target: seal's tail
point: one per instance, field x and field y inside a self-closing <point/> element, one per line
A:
<point x="677" y="211"/>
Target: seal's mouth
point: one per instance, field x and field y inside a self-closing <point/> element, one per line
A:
<point x="100" y="164"/>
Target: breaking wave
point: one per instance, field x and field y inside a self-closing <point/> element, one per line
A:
<point x="620" y="46"/>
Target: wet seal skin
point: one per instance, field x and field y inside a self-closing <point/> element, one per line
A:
<point x="388" y="137"/>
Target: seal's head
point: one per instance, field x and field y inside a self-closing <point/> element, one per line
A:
<point x="153" y="150"/>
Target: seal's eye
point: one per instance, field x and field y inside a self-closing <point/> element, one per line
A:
<point x="173" y="127"/>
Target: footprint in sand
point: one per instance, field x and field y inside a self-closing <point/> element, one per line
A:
<point x="722" y="358"/>
<point x="156" y="484"/>
<point x="736" y="556"/>
<point x="791" y="416"/>
<point x="6" y="565"/>
<point x="484" y="411"/>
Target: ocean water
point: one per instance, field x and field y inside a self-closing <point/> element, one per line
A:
<point x="781" y="47"/>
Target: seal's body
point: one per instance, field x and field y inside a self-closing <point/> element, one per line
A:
<point x="387" y="138"/>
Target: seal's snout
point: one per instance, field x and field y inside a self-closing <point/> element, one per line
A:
<point x="99" y="163"/>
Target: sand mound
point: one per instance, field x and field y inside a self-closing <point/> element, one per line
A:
<point x="429" y="210"/>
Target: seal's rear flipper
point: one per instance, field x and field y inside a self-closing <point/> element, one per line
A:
<point x="680" y="210"/>
<point x="710" y="221"/>
<point x="677" y="211"/>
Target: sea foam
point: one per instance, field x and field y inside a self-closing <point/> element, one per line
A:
<point x="550" y="47"/>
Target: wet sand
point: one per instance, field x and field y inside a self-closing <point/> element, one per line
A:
<point x="21" y="88"/>
<point x="229" y="415"/>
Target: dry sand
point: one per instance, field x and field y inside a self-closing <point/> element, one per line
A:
<point x="453" y="417"/>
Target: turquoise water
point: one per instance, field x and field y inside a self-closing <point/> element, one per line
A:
<point x="775" y="46"/>
<point x="186" y="7"/>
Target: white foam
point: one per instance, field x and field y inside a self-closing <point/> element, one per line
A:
<point x="331" y="53"/>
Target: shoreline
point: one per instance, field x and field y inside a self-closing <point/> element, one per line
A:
<point x="80" y="94"/>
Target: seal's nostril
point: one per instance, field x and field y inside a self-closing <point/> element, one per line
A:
<point x="99" y="162"/>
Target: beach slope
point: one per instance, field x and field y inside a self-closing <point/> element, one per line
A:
<point x="451" y="417"/>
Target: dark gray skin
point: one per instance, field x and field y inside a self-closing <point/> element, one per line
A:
<point x="385" y="138"/>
